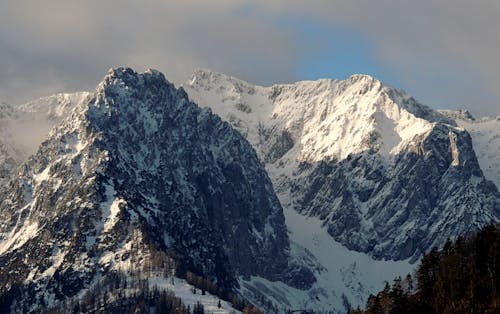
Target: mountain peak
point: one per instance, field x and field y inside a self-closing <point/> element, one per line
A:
<point x="207" y="74"/>
<point x="206" y="78"/>
<point x="126" y="72"/>
<point x="362" y="77"/>
<point x="144" y="170"/>
<point x="123" y="76"/>
<point x="360" y="137"/>
<point x="123" y="87"/>
<point x="328" y="118"/>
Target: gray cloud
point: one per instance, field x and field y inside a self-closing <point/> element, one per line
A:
<point x="64" y="45"/>
<point x="444" y="53"/>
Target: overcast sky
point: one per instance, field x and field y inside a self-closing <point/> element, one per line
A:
<point x="445" y="53"/>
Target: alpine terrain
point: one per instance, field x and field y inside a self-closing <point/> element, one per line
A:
<point x="385" y="174"/>
<point x="138" y="171"/>
<point x="303" y="196"/>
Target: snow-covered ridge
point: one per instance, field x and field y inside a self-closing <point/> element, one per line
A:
<point x="331" y="148"/>
<point x="330" y="119"/>
<point x="55" y="106"/>
<point x="355" y="153"/>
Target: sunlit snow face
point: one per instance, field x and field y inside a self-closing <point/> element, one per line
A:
<point x="326" y="119"/>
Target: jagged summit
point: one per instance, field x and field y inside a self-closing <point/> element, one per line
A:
<point x="135" y="168"/>
<point x="127" y="76"/>
<point x="138" y="170"/>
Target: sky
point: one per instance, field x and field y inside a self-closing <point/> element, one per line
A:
<point x="444" y="53"/>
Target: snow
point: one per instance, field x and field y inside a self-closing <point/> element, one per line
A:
<point x="328" y="118"/>
<point x="339" y="271"/>
<point x="20" y="234"/>
<point x="111" y="209"/>
<point x="113" y="259"/>
<point x="184" y="291"/>
<point x="352" y="273"/>
<point x="42" y="176"/>
<point x="57" y="259"/>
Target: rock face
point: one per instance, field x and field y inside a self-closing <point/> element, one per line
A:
<point x="135" y="168"/>
<point x="485" y="133"/>
<point x="138" y="166"/>
<point x="387" y="175"/>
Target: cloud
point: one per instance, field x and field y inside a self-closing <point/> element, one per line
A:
<point x="65" y="45"/>
<point x="444" y="53"/>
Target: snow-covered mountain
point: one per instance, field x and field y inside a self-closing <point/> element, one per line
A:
<point x="363" y="171"/>
<point x="137" y="170"/>
<point x="385" y="174"/>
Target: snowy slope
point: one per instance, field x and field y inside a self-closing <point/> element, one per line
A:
<point x="328" y="118"/>
<point x="485" y="134"/>
<point x="184" y="291"/>
<point x="388" y="175"/>
<point x="342" y="274"/>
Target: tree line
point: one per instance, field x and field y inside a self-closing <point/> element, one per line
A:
<point x="462" y="277"/>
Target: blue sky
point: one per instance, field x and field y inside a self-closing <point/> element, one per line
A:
<point x="323" y="50"/>
<point x="332" y="52"/>
<point x="446" y="54"/>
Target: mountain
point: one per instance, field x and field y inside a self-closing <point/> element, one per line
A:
<point x="386" y="175"/>
<point x="24" y="127"/>
<point x="368" y="178"/>
<point x="485" y="133"/>
<point x="135" y="171"/>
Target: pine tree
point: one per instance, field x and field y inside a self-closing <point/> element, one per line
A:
<point x="198" y="308"/>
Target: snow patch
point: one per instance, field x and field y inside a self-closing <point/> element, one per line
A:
<point x="18" y="236"/>
<point x="111" y="209"/>
<point x="184" y="291"/>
